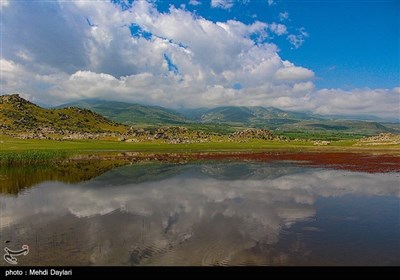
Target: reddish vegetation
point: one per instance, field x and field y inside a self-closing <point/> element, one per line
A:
<point x="363" y="162"/>
<point x="372" y="163"/>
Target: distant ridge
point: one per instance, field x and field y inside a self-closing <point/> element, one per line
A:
<point x="131" y="114"/>
<point x="248" y="115"/>
<point x="18" y="114"/>
<point x="233" y="116"/>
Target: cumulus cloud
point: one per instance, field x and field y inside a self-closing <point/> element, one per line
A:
<point x="295" y="95"/>
<point x="55" y="39"/>
<point x="194" y="2"/>
<point x="304" y="87"/>
<point x="223" y="4"/>
<point x="379" y="102"/>
<point x="291" y="72"/>
<point x="175" y="58"/>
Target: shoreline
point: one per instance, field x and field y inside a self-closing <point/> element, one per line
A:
<point x="8" y="143"/>
<point x="70" y="169"/>
<point x="28" y="152"/>
<point x="371" y="162"/>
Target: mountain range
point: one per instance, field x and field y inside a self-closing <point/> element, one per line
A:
<point x="130" y="114"/>
<point x="234" y="116"/>
<point x="18" y="114"/>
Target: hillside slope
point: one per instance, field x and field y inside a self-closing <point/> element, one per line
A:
<point x="251" y="116"/>
<point x="131" y="114"/>
<point x="231" y="118"/>
<point x="20" y="115"/>
<point x="296" y="124"/>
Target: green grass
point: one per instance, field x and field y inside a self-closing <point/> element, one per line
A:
<point x="33" y="151"/>
<point x="328" y="136"/>
<point x="31" y="157"/>
<point x="12" y="144"/>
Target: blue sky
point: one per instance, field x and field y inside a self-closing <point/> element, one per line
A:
<point x="326" y="57"/>
<point x="351" y="44"/>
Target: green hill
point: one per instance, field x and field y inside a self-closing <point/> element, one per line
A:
<point x="20" y="115"/>
<point x="227" y="119"/>
<point x="294" y="124"/>
<point x="333" y="129"/>
<point x="131" y="114"/>
<point x="249" y="116"/>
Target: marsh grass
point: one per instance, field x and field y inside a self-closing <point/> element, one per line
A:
<point x="32" y="157"/>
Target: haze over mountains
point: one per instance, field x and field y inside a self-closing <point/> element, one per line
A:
<point x="258" y="117"/>
<point x="17" y="113"/>
<point x="128" y="113"/>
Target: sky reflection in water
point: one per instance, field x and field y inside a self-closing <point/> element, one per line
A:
<point x="209" y="214"/>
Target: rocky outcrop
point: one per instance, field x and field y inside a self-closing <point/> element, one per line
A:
<point x="251" y="133"/>
<point x="179" y="135"/>
<point x="321" y="143"/>
<point x="381" y="139"/>
<point x="137" y="132"/>
<point x="169" y="134"/>
<point x="15" y="100"/>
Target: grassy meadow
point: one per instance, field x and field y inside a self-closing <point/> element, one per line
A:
<point x="14" y="151"/>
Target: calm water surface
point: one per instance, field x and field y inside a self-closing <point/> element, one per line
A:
<point x="237" y="213"/>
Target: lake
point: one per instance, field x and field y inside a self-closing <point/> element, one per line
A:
<point x="236" y="212"/>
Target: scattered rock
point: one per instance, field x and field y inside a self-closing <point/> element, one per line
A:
<point x="132" y="140"/>
<point x="63" y="117"/>
<point x="321" y="143"/>
<point x="252" y="133"/>
<point x="381" y="139"/>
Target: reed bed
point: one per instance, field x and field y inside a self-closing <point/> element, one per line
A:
<point x="31" y="157"/>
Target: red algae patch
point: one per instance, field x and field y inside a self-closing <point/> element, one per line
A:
<point x="362" y="162"/>
<point x="371" y="163"/>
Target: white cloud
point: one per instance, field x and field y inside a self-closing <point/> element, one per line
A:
<point x="62" y="58"/>
<point x="223" y="4"/>
<point x="379" y="102"/>
<point x="271" y="2"/>
<point x="295" y="40"/>
<point x="4" y="3"/>
<point x="298" y="40"/>
<point x="303" y="87"/>
<point x="194" y="2"/>
<point x="291" y="72"/>
<point x="283" y="16"/>
<point x="278" y="28"/>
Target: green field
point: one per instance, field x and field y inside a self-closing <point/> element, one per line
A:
<point x="13" y="144"/>
<point x="318" y="135"/>
<point x="28" y="152"/>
